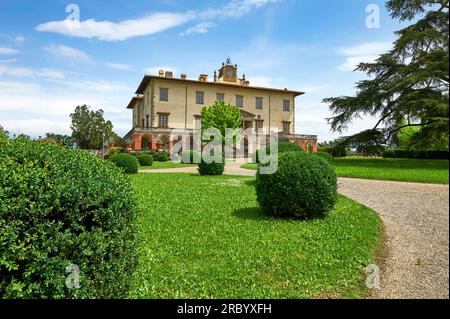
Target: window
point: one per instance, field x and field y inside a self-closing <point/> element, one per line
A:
<point x="197" y="121"/>
<point x="163" y="120"/>
<point x="286" y="105"/>
<point x="259" y="124"/>
<point x="286" y="127"/>
<point x="259" y="103"/>
<point x="163" y="94"/>
<point x="239" y="101"/>
<point x="220" y="97"/>
<point x="200" y="97"/>
<point x="147" y="118"/>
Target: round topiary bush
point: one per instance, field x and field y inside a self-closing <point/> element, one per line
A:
<point x="326" y="156"/>
<point x="127" y="162"/>
<point x="211" y="168"/>
<point x="304" y="186"/>
<point x="145" y="159"/>
<point x="162" y="156"/>
<point x="64" y="213"/>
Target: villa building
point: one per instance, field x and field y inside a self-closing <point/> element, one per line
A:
<point x="163" y="103"/>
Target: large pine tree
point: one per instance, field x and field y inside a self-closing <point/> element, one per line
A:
<point x="409" y="85"/>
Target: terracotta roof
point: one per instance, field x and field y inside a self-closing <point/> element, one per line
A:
<point x="147" y="79"/>
<point x="133" y="101"/>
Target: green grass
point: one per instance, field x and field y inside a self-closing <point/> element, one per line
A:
<point x="205" y="237"/>
<point x="164" y="165"/>
<point x="407" y="170"/>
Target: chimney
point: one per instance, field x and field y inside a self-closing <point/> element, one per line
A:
<point x="183" y="76"/>
<point x="161" y="73"/>
<point x="169" y="74"/>
<point x="203" y="78"/>
<point x="215" y="76"/>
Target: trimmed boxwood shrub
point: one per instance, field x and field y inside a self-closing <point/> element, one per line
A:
<point x="190" y="157"/>
<point x="127" y="162"/>
<point x="62" y="207"/>
<point x="324" y="155"/>
<point x="416" y="154"/>
<point x="211" y="168"/>
<point x="304" y="186"/>
<point x="145" y="159"/>
<point x="161" y="156"/>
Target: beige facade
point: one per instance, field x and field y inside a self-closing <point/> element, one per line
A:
<point x="164" y="102"/>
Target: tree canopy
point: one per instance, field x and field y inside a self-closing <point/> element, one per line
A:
<point x="409" y="85"/>
<point x="221" y="116"/>
<point x="88" y="127"/>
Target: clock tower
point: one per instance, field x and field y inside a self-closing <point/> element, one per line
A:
<point x="228" y="72"/>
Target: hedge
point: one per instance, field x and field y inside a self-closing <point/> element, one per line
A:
<point x="396" y="153"/>
<point x="163" y="156"/>
<point x="282" y="147"/>
<point x="59" y="208"/>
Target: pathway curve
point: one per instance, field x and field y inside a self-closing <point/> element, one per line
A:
<point x="416" y="217"/>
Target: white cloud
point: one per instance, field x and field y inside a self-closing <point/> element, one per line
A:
<point x="362" y="53"/>
<point x="314" y="88"/>
<point x="118" y="66"/>
<point x="49" y="73"/>
<point x="7" y="69"/>
<point x="148" y="25"/>
<point x="8" y="51"/>
<point x="19" y="39"/>
<point x="16" y="71"/>
<point x="66" y="51"/>
<point x="36" y="127"/>
<point x="351" y="63"/>
<point x="235" y="9"/>
<point x="261" y="80"/>
<point x="154" y="70"/>
<point x="110" y="31"/>
<point x="202" y="27"/>
<point x="368" y="48"/>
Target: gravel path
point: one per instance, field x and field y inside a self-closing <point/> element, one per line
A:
<point x="416" y="217"/>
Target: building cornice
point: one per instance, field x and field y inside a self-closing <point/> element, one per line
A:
<point x="147" y="78"/>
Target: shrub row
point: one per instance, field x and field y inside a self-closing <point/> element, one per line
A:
<point x="335" y="151"/>
<point x="282" y="148"/>
<point x="416" y="154"/>
<point x="63" y="209"/>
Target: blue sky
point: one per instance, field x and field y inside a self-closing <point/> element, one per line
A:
<point x="49" y="66"/>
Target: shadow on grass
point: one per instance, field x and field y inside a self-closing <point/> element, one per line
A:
<point x="256" y="213"/>
<point x="251" y="213"/>
<point x="250" y="182"/>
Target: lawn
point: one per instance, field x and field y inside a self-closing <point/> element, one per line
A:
<point x="205" y="237"/>
<point x="164" y="165"/>
<point x="408" y="170"/>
